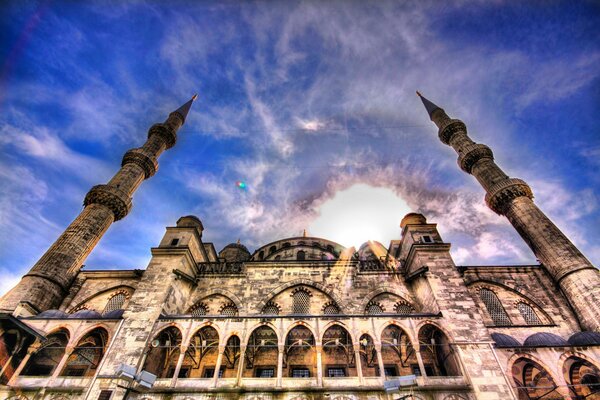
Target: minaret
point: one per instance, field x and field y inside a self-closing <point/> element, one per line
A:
<point x="46" y="284"/>
<point x="578" y="279"/>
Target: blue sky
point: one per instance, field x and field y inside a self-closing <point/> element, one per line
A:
<point x="312" y="104"/>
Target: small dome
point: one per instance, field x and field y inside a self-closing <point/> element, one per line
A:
<point x="86" y="314"/>
<point x="235" y="252"/>
<point x="52" y="314"/>
<point x="585" y="339"/>
<point x="190" y="221"/>
<point x="371" y="249"/>
<point x="114" y="314"/>
<point x="413" y="219"/>
<point x="503" y="340"/>
<point x="545" y="339"/>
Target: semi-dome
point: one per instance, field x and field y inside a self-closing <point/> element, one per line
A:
<point x="235" y="252"/>
<point x="545" y="339"/>
<point x="86" y="314"/>
<point x="52" y="314"/>
<point x="503" y="340"/>
<point x="114" y="314"/>
<point x="413" y="219"/>
<point x="585" y="339"/>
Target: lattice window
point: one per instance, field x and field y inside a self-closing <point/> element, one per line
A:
<point x="403" y="308"/>
<point x="300" y="373"/>
<point x="115" y="303"/>
<point x="301" y="302"/>
<point x="331" y="308"/>
<point x="373" y="308"/>
<point x="199" y="310"/>
<point x="270" y="309"/>
<point x="229" y="310"/>
<point x="494" y="307"/>
<point x="528" y="314"/>
<point x="336" y="372"/>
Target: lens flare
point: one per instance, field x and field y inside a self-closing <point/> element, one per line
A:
<point x="241" y="185"/>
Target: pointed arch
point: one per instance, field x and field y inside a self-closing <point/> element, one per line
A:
<point x="129" y="289"/>
<point x="398" y="352"/>
<point x="45" y="360"/>
<point x="338" y="355"/>
<point x="163" y="352"/>
<point x="87" y="354"/>
<point x="303" y="282"/>
<point x="382" y="290"/>
<point x="201" y="354"/>
<point x="205" y="294"/>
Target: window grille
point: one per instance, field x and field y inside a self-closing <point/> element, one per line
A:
<point x="270" y="309"/>
<point x="265" y="372"/>
<point x="301" y="302"/>
<point x="404" y="308"/>
<point x="300" y="373"/>
<point x="331" y="309"/>
<point x="199" y="310"/>
<point x="336" y="372"/>
<point x="115" y="303"/>
<point x="229" y="310"/>
<point x="528" y="314"/>
<point x="373" y="309"/>
<point x="494" y="307"/>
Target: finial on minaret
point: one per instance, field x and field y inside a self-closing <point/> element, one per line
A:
<point x="429" y="106"/>
<point x="238" y="241"/>
<point x="304" y="233"/>
<point x="185" y="109"/>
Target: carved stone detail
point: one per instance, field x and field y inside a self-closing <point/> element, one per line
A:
<point x="139" y="157"/>
<point x="501" y="194"/>
<point x="447" y="131"/>
<point x="166" y="133"/>
<point x="471" y="154"/>
<point x="115" y="199"/>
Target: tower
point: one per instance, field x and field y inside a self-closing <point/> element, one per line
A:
<point x="578" y="279"/>
<point x="48" y="281"/>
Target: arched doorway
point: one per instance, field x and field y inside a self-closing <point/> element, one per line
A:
<point x="582" y="377"/>
<point x="368" y="356"/>
<point x="397" y="352"/>
<point x="162" y="356"/>
<point x="86" y="357"/>
<point x="200" y="358"/>
<point x="299" y="357"/>
<point x="44" y="361"/>
<point x="437" y="353"/>
<point x="338" y="353"/>
<point x="261" y="354"/>
<point x="533" y="381"/>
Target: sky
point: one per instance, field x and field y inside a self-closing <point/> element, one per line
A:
<point x="311" y="104"/>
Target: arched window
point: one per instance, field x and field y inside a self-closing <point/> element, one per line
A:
<point x="403" y="308"/>
<point x="331" y="308"/>
<point x="582" y="377"/>
<point x="437" y="353"/>
<point x="272" y="249"/>
<point x="533" y="381"/>
<point x="46" y="359"/>
<point x="163" y="353"/>
<point x="494" y="307"/>
<point x="301" y="255"/>
<point x="115" y="303"/>
<point x="229" y="310"/>
<point x="528" y="314"/>
<point x="373" y="308"/>
<point x="270" y="309"/>
<point x="301" y="302"/>
<point x="86" y="356"/>
<point x="201" y="356"/>
<point x="199" y="310"/>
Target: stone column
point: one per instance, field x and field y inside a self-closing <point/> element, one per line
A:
<point x="380" y="360"/>
<point x="218" y="365"/>
<point x="182" y="351"/>
<point x="47" y="283"/>
<point x="61" y="365"/>
<point x="358" y="362"/>
<point x="280" y="349"/>
<point x="318" y="349"/>
<point x="420" y="361"/>
<point x="32" y="349"/>
<point x="241" y="364"/>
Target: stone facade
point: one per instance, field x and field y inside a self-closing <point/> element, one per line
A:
<point x="303" y="317"/>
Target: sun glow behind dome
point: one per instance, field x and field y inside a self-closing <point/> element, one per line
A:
<point x="360" y="213"/>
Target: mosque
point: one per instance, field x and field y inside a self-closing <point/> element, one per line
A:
<point x="303" y="318"/>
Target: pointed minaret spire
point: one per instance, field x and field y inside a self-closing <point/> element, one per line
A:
<point x="185" y="108"/>
<point x="46" y="284"/>
<point x="304" y="233"/>
<point x="429" y="106"/>
<point x="578" y="279"/>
